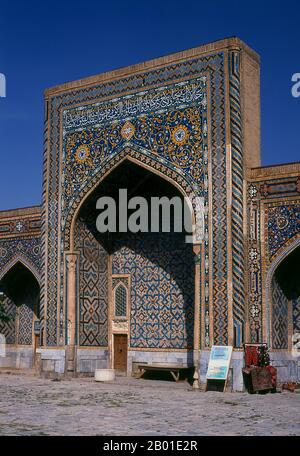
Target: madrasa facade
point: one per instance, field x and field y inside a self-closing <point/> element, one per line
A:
<point x="185" y="125"/>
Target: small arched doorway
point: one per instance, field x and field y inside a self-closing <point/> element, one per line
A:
<point x="285" y="293"/>
<point x="20" y="294"/>
<point x="150" y="276"/>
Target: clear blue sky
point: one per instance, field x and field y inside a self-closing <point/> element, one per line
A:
<point x="45" y="43"/>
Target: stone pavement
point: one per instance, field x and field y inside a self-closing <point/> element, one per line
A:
<point x="35" y="406"/>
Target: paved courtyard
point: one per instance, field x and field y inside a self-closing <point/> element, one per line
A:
<point x="34" y="406"/>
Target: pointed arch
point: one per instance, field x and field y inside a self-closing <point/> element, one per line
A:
<point x="141" y="158"/>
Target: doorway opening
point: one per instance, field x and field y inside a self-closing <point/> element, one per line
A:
<point x="120" y="352"/>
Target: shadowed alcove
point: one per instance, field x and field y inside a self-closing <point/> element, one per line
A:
<point x="21" y="294"/>
<point x="160" y="265"/>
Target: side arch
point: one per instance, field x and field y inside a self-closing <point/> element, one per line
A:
<point x="288" y="248"/>
<point x="20" y="287"/>
<point x="25" y="262"/>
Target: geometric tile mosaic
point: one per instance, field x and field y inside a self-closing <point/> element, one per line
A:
<point x="162" y="289"/>
<point x="296" y="314"/>
<point x="93" y="288"/>
<point x="279" y="317"/>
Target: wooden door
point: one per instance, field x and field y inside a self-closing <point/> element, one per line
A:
<point x="120" y="352"/>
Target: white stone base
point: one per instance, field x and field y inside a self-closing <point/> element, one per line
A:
<point x="53" y="360"/>
<point x="288" y="367"/>
<point x="17" y="358"/>
<point x="88" y="360"/>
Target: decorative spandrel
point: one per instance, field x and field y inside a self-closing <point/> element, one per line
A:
<point x="168" y="122"/>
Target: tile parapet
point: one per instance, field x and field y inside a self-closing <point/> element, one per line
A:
<point x="21" y="212"/>
<point x="274" y="171"/>
<point x="227" y="43"/>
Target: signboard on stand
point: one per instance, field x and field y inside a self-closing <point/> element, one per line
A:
<point x="218" y="368"/>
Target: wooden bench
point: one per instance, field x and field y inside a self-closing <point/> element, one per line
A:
<point x="172" y="368"/>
